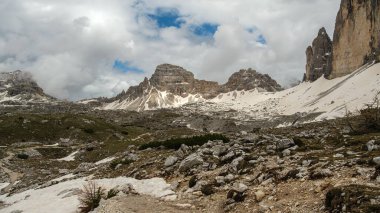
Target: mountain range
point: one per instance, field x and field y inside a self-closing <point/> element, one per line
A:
<point x="347" y="61"/>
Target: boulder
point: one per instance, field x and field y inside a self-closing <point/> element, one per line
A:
<point x="170" y="161"/>
<point x="283" y="144"/>
<point x="191" y="161"/>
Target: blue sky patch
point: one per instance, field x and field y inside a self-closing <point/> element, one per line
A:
<point x="205" y="29"/>
<point x="261" y="39"/>
<point x="252" y="29"/>
<point x="167" y="17"/>
<point x="126" y="67"/>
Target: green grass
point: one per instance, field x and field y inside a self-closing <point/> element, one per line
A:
<point x="190" y="141"/>
<point x="47" y="128"/>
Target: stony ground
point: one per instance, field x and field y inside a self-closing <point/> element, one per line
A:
<point x="317" y="167"/>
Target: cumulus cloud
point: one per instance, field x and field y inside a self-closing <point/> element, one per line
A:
<point x="71" y="46"/>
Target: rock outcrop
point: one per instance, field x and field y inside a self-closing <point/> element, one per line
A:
<point x="357" y="36"/>
<point x="356" y="41"/>
<point x="178" y="81"/>
<point x="250" y="79"/>
<point x="172" y="85"/>
<point x="20" y="86"/>
<point x="319" y="57"/>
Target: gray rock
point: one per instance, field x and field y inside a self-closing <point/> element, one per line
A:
<point x="371" y="146"/>
<point x="229" y="178"/>
<point x="376" y="160"/>
<point x="218" y="150"/>
<point x="240" y="187"/>
<point x="170" y="161"/>
<point x="237" y="164"/>
<point x="191" y="161"/>
<point x="220" y="180"/>
<point x="131" y="157"/>
<point x="286" y="152"/>
<point x="283" y="144"/>
<point x="229" y="156"/>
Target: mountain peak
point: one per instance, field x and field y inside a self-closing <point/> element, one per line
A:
<point x="248" y="79"/>
<point x="20" y="86"/>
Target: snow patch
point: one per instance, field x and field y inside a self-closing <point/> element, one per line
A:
<point x="61" y="198"/>
<point x="70" y="157"/>
<point x="3" y="185"/>
<point x="106" y="160"/>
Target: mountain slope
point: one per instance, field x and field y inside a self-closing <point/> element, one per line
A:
<point x="331" y="98"/>
<point x="19" y="87"/>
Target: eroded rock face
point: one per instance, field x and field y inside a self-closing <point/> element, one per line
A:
<point x="178" y="81"/>
<point x="357" y="36"/>
<point x="250" y="79"/>
<point x="319" y="57"/>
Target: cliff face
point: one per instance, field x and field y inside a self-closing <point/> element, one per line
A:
<point x="319" y="57"/>
<point x="178" y="81"/>
<point x="356" y="37"/>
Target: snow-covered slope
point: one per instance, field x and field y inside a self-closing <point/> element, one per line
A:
<point x="330" y="97"/>
<point x="153" y="99"/>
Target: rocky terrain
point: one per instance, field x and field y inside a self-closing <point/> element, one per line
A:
<point x="332" y="166"/>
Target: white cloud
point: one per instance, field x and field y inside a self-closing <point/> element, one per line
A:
<point x="70" y="46"/>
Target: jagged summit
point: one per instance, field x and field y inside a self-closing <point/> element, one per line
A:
<point x="319" y="57"/>
<point x="18" y="86"/>
<point x="248" y="79"/>
<point x="172" y="85"/>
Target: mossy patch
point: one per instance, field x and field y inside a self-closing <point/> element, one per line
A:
<point x="352" y="198"/>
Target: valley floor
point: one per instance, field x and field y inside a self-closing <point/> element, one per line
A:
<point x="315" y="167"/>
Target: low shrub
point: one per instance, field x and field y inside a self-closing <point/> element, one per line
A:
<point x="191" y="141"/>
<point x="90" y="197"/>
<point x="89" y="130"/>
<point x="112" y="193"/>
<point x="23" y="156"/>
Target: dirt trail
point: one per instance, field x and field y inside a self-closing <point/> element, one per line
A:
<point x="13" y="176"/>
<point x="141" y="204"/>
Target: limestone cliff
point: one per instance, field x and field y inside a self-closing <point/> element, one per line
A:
<point x="356" y="37"/>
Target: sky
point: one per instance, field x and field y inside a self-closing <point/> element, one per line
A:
<point x="78" y="49"/>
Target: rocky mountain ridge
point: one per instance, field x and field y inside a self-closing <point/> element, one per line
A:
<point x="172" y="85"/>
<point x="19" y="86"/>
<point x="356" y="41"/>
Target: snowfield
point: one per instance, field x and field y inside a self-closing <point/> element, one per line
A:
<point x="331" y="98"/>
<point x="63" y="197"/>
